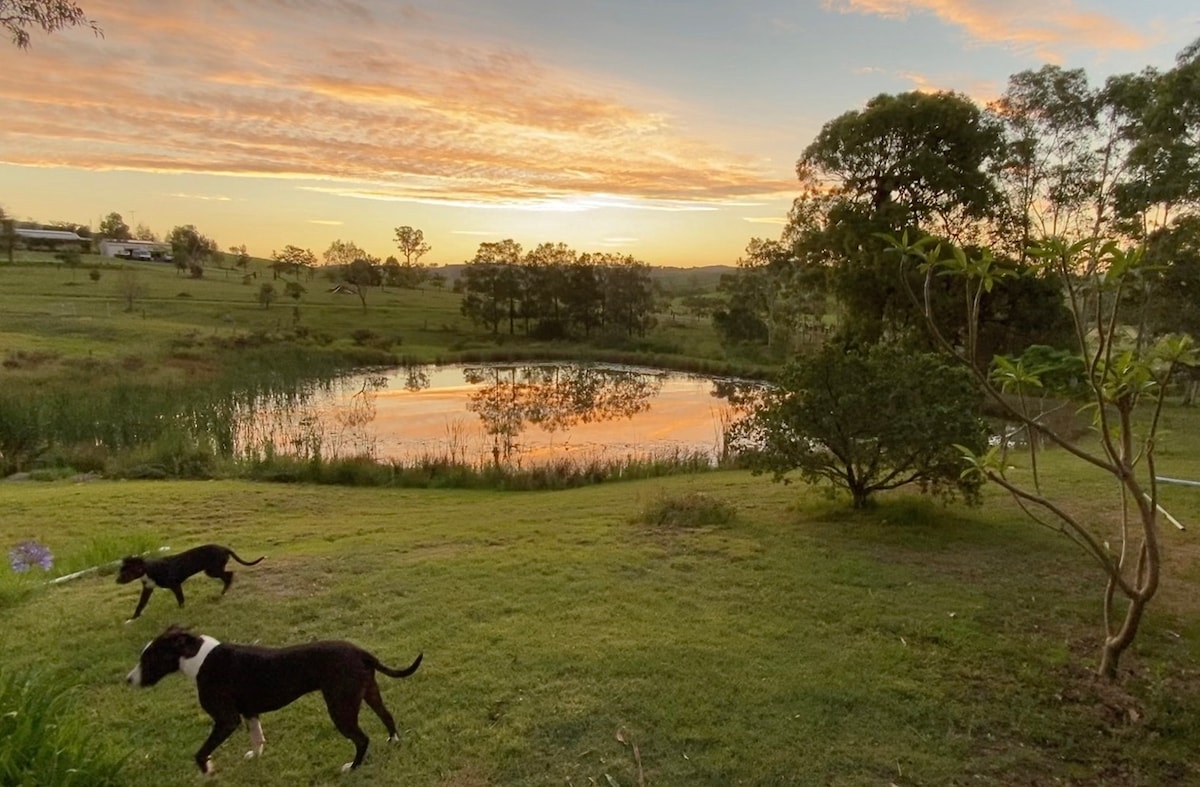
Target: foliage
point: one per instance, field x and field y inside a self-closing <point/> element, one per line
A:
<point x="867" y="421"/>
<point x="412" y="245"/>
<point x="19" y="17"/>
<point x="342" y="253"/>
<point x="71" y="259"/>
<point x="554" y="293"/>
<point x="1121" y="376"/>
<point x="292" y="259"/>
<point x="1171" y="299"/>
<point x="360" y="275"/>
<point x="190" y="247"/>
<point x="915" y="158"/>
<point x="130" y="287"/>
<point x="114" y="227"/>
<point x="46" y="740"/>
<point x="266" y="294"/>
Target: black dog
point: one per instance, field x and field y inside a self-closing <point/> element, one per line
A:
<point x="243" y="681"/>
<point x="170" y="572"/>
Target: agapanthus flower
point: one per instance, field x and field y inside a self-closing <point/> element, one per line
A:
<point x="28" y="554"/>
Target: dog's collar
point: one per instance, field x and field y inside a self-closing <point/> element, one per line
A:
<point x="190" y="666"/>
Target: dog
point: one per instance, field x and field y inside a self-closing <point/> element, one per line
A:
<point x="244" y="681"/>
<point x="170" y="572"/>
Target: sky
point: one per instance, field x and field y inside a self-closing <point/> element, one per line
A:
<point x="663" y="129"/>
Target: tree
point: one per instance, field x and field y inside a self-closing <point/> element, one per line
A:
<point x="241" y="257"/>
<point x="489" y="284"/>
<point x="914" y="160"/>
<point x="8" y="236"/>
<point x="1173" y="297"/>
<point x="294" y="259"/>
<point x="412" y="244"/>
<point x="294" y="290"/>
<point x="1158" y="119"/>
<point x="545" y="276"/>
<point x="70" y="258"/>
<point x="114" y="227"/>
<point x="768" y="296"/>
<point x="144" y="233"/>
<point x="1047" y="168"/>
<point x="866" y="421"/>
<point x="343" y="253"/>
<point x="19" y="17"/>
<point x="361" y="274"/>
<point x="1121" y="378"/>
<point x="266" y="294"/>
<point x="191" y="249"/>
<point x="130" y="287"/>
<point x="628" y="294"/>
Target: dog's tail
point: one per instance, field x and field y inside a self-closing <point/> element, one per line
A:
<point x="233" y="555"/>
<point x="397" y="673"/>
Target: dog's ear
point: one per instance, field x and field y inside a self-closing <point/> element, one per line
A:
<point x="183" y="640"/>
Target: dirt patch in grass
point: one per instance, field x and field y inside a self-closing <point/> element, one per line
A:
<point x="291" y="578"/>
<point x="468" y="776"/>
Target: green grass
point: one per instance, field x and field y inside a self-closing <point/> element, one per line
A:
<point x="700" y="629"/>
<point x="733" y="630"/>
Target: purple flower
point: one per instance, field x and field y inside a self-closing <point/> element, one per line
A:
<point x="28" y="554"/>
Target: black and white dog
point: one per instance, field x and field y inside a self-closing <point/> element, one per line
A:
<point x="170" y="572"/>
<point x="243" y="681"/>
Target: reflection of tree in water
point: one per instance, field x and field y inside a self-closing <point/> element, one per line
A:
<point x="416" y="378"/>
<point x="740" y="394"/>
<point x="358" y="413"/>
<point x="307" y="418"/>
<point x="554" y="398"/>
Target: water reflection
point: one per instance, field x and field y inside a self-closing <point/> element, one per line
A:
<point x="509" y="399"/>
<point x="515" y="414"/>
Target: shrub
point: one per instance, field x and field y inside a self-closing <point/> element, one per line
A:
<point x="687" y="511"/>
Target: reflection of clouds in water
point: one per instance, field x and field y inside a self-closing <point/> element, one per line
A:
<point x="538" y="413"/>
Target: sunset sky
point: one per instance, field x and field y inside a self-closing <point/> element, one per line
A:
<point x="665" y="129"/>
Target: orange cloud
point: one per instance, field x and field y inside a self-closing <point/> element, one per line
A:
<point x="1043" y="26"/>
<point x="282" y="88"/>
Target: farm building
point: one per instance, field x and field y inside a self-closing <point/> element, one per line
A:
<point x="135" y="249"/>
<point x="49" y="239"/>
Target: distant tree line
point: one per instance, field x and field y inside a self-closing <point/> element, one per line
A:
<point x="555" y="292"/>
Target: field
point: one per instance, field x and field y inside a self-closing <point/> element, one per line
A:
<point x="701" y="629"/>
<point x="50" y="313"/>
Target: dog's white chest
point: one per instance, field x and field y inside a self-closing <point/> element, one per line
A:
<point x="191" y="666"/>
<point x="148" y="582"/>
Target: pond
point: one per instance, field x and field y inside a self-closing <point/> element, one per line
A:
<point x="520" y="415"/>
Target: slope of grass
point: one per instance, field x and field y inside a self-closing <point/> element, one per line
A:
<point x="762" y="635"/>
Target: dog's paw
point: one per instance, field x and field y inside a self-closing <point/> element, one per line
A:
<point x="395" y="738"/>
<point x="347" y="767"/>
<point x="130" y="621"/>
<point x="250" y="755"/>
<point x="209" y="769"/>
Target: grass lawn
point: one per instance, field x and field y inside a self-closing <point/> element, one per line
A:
<point x="568" y="642"/>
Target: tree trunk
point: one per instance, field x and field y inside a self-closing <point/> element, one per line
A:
<point x="1116" y="644"/>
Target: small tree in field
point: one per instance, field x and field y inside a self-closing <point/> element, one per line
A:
<point x="1121" y="374"/>
<point x="130" y="287"/>
<point x="867" y="421"/>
